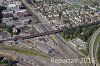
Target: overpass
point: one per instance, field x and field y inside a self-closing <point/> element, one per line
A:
<point x="32" y="36"/>
<point x="44" y="33"/>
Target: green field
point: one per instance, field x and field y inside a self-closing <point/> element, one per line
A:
<point x="25" y="51"/>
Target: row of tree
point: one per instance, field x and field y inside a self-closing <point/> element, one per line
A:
<point x="1" y="9"/>
<point x="6" y="62"/>
<point x="83" y="32"/>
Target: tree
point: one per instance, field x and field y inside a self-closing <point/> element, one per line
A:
<point x="29" y="22"/>
<point x="78" y="30"/>
<point x="66" y="21"/>
<point x="84" y="37"/>
<point x="15" y="18"/>
<point x="60" y="14"/>
<point x="1" y="9"/>
<point x="86" y="7"/>
<point x="66" y="36"/>
<point x="10" y="30"/>
<point x="95" y="3"/>
<point x="88" y="33"/>
<point x="84" y="29"/>
<point x="34" y="1"/>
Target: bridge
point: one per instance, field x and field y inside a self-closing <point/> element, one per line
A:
<point x="43" y="34"/>
<point x="32" y="36"/>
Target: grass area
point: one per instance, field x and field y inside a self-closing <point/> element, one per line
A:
<point x="61" y="64"/>
<point x="1" y="30"/>
<point x="98" y="54"/>
<point x="26" y="52"/>
<point x="23" y="51"/>
<point x="85" y="50"/>
<point x="76" y="5"/>
<point x="96" y="42"/>
<point x="98" y="8"/>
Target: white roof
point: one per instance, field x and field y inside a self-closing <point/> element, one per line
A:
<point x="1" y="1"/>
<point x="11" y="5"/>
<point x="22" y="10"/>
<point x="18" y="3"/>
<point x="38" y="0"/>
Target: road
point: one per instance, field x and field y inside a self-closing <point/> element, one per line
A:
<point x="96" y="51"/>
<point x="91" y="45"/>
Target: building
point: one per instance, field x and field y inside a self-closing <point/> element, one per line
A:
<point x="11" y="6"/>
<point x="78" y="43"/>
<point x="44" y="47"/>
<point x="4" y="35"/>
<point x="1" y="1"/>
<point x="97" y="14"/>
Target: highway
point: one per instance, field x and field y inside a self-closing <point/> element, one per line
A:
<point x="96" y="51"/>
<point x="91" y="45"/>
